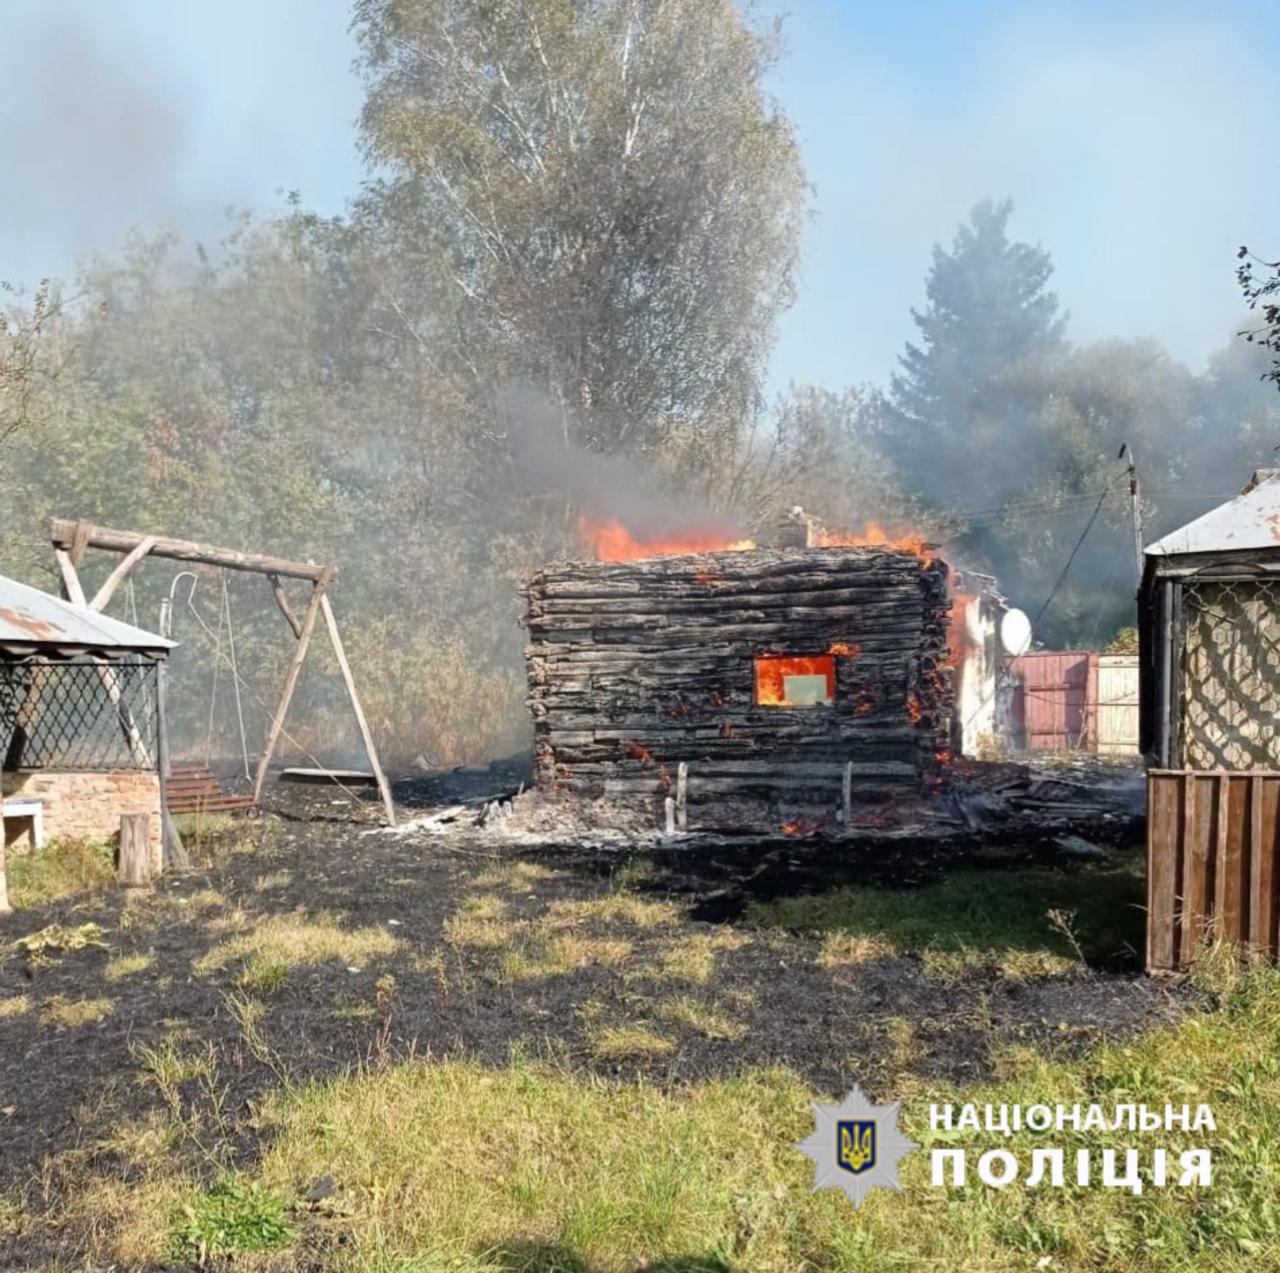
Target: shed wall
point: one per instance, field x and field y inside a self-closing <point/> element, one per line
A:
<point x="635" y="667"/>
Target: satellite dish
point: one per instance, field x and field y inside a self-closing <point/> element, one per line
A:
<point x="1015" y="632"/>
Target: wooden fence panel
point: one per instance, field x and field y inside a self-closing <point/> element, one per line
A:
<point x="1118" y="705"/>
<point x="1212" y="844"/>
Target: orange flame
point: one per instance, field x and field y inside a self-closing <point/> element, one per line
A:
<point x="843" y="647"/>
<point x="913" y="707"/>
<point x="612" y="541"/>
<point x="802" y="826"/>
<point x="873" y="535"/>
<point x="772" y="671"/>
<point x="642" y="754"/>
<point x="958" y="639"/>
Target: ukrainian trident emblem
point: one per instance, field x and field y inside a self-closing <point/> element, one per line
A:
<point x="856" y="1144"/>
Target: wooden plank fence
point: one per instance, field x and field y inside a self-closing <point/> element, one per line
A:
<point x="1212" y="842"/>
<point x="1075" y="700"/>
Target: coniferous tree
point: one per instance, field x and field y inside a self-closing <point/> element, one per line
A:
<point x="966" y="393"/>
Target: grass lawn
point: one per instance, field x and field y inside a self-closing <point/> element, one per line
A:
<point x="1026" y="922"/>
<point x="451" y="1165"/>
<point x="647" y="1118"/>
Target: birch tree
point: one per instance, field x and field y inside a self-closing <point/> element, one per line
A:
<point x="595" y="198"/>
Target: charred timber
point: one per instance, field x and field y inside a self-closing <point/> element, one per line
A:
<point x="637" y="667"/>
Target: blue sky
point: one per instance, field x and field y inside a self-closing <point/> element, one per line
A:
<point x="1133" y="138"/>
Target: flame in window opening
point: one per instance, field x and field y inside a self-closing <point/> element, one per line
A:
<point x="772" y="671"/>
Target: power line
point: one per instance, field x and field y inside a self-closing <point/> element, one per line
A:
<point x="1084" y="534"/>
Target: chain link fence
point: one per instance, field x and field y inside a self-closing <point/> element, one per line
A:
<point x="79" y="715"/>
<point x="1230" y="674"/>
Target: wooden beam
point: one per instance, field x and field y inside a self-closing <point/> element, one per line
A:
<point x="340" y="654"/>
<point x="116" y="577"/>
<point x="277" y="589"/>
<point x="71" y="588"/>
<point x="290" y="684"/>
<point x="79" y="541"/>
<point x="62" y="534"/>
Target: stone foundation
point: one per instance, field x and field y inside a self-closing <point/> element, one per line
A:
<point x="87" y="806"/>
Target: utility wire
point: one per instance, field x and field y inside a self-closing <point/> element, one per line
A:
<point x="1053" y="592"/>
<point x="1062" y="578"/>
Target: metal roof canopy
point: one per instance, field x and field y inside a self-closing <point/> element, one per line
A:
<point x="36" y="623"/>
<point x="1248" y="523"/>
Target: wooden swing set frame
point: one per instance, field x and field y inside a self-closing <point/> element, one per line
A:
<point x="72" y="539"/>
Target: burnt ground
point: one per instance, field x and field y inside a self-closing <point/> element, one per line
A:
<point x="883" y="1022"/>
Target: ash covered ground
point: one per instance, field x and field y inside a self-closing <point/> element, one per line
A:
<point x="512" y="937"/>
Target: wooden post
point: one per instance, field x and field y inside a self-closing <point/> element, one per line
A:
<point x="669" y="808"/>
<point x="107" y="591"/>
<point x="26" y="714"/>
<point x="5" y="908"/>
<point x="75" y="594"/>
<point x="173" y="853"/>
<point x="135" y="850"/>
<point x="682" y="796"/>
<point x="335" y="640"/>
<point x="846" y="794"/>
<point x="290" y="684"/>
<point x="282" y="600"/>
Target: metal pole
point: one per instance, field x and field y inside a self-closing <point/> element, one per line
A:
<point x="162" y="676"/>
<point x="174" y="852"/>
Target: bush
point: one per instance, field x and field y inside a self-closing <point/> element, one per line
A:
<point x="232" y="1217"/>
<point x="1124" y="642"/>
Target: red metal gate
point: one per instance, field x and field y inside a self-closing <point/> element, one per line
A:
<point x="1055" y="700"/>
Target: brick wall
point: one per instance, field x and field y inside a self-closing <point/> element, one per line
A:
<point x="88" y="805"/>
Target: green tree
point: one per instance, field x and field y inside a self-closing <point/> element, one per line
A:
<point x="960" y="401"/>
<point x="28" y="367"/>
<point x="595" y="201"/>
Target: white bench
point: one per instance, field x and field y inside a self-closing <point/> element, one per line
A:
<point x="25" y="809"/>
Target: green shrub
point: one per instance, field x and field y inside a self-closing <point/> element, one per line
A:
<point x="232" y="1217"/>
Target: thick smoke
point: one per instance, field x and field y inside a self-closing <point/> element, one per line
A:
<point x="91" y="131"/>
<point x="600" y="487"/>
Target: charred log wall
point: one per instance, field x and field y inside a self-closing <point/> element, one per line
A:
<point x="636" y="666"/>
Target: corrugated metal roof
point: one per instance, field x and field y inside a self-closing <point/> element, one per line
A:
<point x="29" y="617"/>
<point x="1248" y="522"/>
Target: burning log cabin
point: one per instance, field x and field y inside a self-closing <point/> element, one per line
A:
<point x="799" y="680"/>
